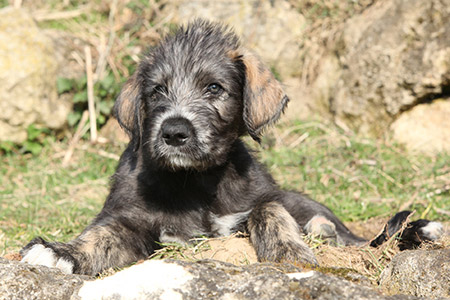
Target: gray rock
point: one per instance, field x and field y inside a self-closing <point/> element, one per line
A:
<point x="217" y="280"/>
<point x="28" y="92"/>
<point x="26" y="282"/>
<point x="424" y="273"/>
<point x="382" y="62"/>
<point x="170" y="279"/>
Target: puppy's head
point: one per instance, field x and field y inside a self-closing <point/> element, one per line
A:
<point x="194" y="95"/>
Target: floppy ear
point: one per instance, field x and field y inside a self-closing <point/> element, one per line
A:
<point x="264" y="99"/>
<point x="128" y="109"/>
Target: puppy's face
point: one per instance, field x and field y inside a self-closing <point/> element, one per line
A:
<point x="192" y="101"/>
<point x="194" y="95"/>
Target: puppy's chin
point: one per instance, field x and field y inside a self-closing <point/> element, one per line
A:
<point x="179" y="162"/>
<point x="193" y="156"/>
<point x="175" y="160"/>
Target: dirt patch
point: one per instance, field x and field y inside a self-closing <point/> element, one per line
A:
<point x="367" y="229"/>
<point x="232" y="249"/>
<point x="13" y="256"/>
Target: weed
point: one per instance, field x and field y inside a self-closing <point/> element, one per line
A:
<point x="105" y="92"/>
<point x="37" y="137"/>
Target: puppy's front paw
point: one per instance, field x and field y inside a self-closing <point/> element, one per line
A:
<point x="293" y="251"/>
<point x="40" y="252"/>
<point x="297" y="253"/>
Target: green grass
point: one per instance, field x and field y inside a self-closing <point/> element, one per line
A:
<point x="39" y="197"/>
<point x="357" y="178"/>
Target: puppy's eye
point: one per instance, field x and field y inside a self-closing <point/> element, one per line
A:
<point x="214" y="88"/>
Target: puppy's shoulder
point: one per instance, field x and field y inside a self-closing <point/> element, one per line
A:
<point x="246" y="163"/>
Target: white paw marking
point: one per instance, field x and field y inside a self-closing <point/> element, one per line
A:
<point x="224" y="225"/>
<point x="433" y="230"/>
<point x="39" y="255"/>
<point x="64" y="265"/>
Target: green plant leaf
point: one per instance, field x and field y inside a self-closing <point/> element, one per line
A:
<point x="33" y="147"/>
<point x="81" y="83"/>
<point x="101" y="119"/>
<point x="80" y="97"/>
<point x="7" y="146"/>
<point x="64" y="85"/>
<point x="73" y="118"/>
<point x="33" y="132"/>
<point x="107" y="81"/>
<point x="105" y="107"/>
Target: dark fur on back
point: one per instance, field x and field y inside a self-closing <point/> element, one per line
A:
<point x="186" y="172"/>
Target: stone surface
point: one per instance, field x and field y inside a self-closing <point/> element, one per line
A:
<point x="423" y="273"/>
<point x="28" y="92"/>
<point x="380" y="63"/>
<point x="171" y="279"/>
<point x="273" y="29"/>
<point x="217" y="280"/>
<point x="425" y="128"/>
<point x="113" y="133"/>
<point x="26" y="282"/>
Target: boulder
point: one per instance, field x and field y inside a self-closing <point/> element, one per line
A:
<point x="208" y="279"/>
<point x="28" y="92"/>
<point x="113" y="133"/>
<point x="173" y="279"/>
<point x="273" y="29"/>
<point x="425" y="128"/>
<point x="377" y="64"/>
<point x="422" y="273"/>
<point x="26" y="282"/>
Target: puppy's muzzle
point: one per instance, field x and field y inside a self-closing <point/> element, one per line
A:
<point x="176" y="131"/>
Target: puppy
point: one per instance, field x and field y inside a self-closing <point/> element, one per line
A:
<point x="186" y="172"/>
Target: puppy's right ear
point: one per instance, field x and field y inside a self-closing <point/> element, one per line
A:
<point x="128" y="109"/>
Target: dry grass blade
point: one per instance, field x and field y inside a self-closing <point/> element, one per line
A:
<point x="40" y="16"/>
<point x="17" y="3"/>
<point x="90" y="94"/>
<point x="101" y="65"/>
<point x="81" y="130"/>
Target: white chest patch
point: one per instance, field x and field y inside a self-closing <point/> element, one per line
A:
<point x="224" y="225"/>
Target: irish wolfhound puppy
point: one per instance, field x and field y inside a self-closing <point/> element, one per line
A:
<point x="186" y="172"/>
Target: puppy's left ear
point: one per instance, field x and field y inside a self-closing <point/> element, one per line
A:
<point x="128" y="109"/>
<point x="264" y="98"/>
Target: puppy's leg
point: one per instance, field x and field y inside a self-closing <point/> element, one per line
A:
<point x="99" y="247"/>
<point x="276" y="235"/>
<point x="323" y="228"/>
<point x="410" y="235"/>
<point x="317" y="219"/>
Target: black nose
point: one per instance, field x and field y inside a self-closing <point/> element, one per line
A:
<point x="176" y="131"/>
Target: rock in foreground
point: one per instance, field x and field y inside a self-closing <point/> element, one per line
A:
<point x="169" y="279"/>
<point x="420" y="273"/>
<point x="26" y="282"/>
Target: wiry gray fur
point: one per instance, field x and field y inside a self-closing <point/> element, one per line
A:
<point x="186" y="172"/>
